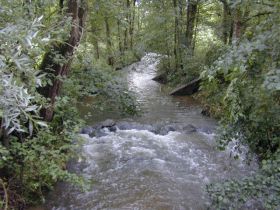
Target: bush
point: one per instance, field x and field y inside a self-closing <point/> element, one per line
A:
<point x="96" y="78"/>
<point x="242" y="87"/>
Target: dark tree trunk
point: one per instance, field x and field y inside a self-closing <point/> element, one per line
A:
<point x="94" y="29"/>
<point x="180" y="33"/>
<point x="108" y="41"/>
<point x="96" y="46"/>
<point x="195" y="31"/>
<point x="120" y="37"/>
<point x="61" y="2"/>
<point x="191" y="16"/>
<point x="227" y="22"/>
<point x="121" y="51"/>
<point x="176" y="35"/>
<point x="231" y="32"/>
<point x="138" y="19"/>
<point x="4" y="137"/>
<point x="239" y="25"/>
<point x="131" y="24"/>
<point x="56" y="71"/>
<point x="125" y="43"/>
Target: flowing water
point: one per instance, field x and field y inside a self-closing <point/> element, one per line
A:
<point x="138" y="168"/>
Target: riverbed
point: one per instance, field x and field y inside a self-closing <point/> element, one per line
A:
<point x="155" y="161"/>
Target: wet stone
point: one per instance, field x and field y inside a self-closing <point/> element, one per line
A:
<point x="207" y="130"/>
<point x="108" y="123"/>
<point x="99" y="129"/>
<point x="86" y="130"/>
<point x="125" y="125"/>
<point x="166" y="129"/>
<point x="112" y="128"/>
<point x="136" y="126"/>
<point x="98" y="133"/>
<point x="189" y="129"/>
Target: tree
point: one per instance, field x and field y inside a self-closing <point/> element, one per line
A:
<point x="55" y="70"/>
<point x="191" y="17"/>
<point x="227" y="22"/>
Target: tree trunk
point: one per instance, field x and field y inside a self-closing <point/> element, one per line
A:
<point x="125" y="43"/>
<point x="131" y="24"/>
<point x="96" y="47"/>
<point x="108" y="41"/>
<point x="180" y="33"/>
<point x="176" y="35"/>
<point x="227" y="22"/>
<point x="239" y="25"/>
<point x="138" y="19"/>
<point x="191" y="16"/>
<point x="195" y="31"/>
<point x="231" y="32"/>
<point x="120" y="37"/>
<point x="4" y="137"/>
<point x="56" y="71"/>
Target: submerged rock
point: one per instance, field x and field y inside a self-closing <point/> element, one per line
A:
<point x="112" y="128"/>
<point x="98" y="130"/>
<point x="189" y="129"/>
<point x="86" y="130"/>
<point x="166" y="129"/>
<point x="107" y="123"/>
<point x="98" y="133"/>
<point x="207" y="130"/>
<point x="134" y="125"/>
<point x="107" y="126"/>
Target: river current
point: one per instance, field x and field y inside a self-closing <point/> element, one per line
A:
<point x="135" y="168"/>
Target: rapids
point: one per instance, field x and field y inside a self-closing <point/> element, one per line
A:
<point x="140" y="169"/>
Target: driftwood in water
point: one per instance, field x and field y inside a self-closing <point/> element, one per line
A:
<point x="188" y="89"/>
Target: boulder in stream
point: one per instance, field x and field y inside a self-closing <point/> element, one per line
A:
<point x="134" y="125"/>
<point x="99" y="129"/>
<point x="103" y="128"/>
<point x="107" y="123"/>
<point x="98" y="133"/>
<point x="164" y="130"/>
<point x="86" y="130"/>
<point x="189" y="129"/>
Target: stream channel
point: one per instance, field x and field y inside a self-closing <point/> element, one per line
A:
<point x="162" y="160"/>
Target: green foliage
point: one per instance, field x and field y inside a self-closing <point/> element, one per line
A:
<point x="242" y="88"/>
<point x="206" y="45"/>
<point x="191" y="68"/>
<point x="19" y="78"/>
<point x="249" y="97"/>
<point x="42" y="159"/>
<point x="241" y="83"/>
<point x="33" y="153"/>
<point x="96" y="78"/>
<point x="37" y="163"/>
<point x="261" y="190"/>
<point x="114" y="32"/>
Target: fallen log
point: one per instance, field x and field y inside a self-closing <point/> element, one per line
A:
<point x="187" y="89"/>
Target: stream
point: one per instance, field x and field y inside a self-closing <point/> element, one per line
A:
<point x="162" y="160"/>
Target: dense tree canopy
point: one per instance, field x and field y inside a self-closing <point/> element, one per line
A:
<point x="54" y="52"/>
